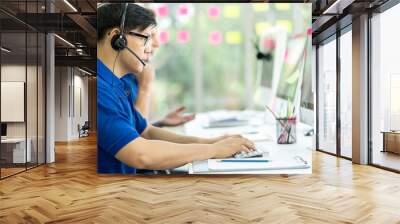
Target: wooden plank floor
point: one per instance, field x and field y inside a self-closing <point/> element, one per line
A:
<point x="70" y="191"/>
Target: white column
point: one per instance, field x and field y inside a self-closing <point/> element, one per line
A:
<point x="360" y="90"/>
<point x="50" y="99"/>
<point x="50" y="92"/>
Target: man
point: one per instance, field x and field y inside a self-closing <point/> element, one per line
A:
<point x="126" y="141"/>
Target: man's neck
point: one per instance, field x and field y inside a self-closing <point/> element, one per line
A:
<point x="108" y="59"/>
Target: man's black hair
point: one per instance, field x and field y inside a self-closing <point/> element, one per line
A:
<point x="110" y="15"/>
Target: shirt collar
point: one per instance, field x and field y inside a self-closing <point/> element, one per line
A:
<point x="107" y="75"/>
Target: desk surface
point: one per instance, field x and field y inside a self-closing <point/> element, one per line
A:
<point x="13" y="140"/>
<point x="390" y="132"/>
<point x="261" y="129"/>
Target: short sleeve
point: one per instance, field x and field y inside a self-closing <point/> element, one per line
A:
<point x="141" y="123"/>
<point x="114" y="130"/>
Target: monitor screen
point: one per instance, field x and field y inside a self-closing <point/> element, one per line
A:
<point x="267" y="64"/>
<point x="3" y="129"/>
<point x="271" y="46"/>
<point x="292" y="68"/>
<point x="307" y="93"/>
<point x="307" y="96"/>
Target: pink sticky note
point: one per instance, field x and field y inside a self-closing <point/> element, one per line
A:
<point x="213" y="11"/>
<point x="164" y="37"/>
<point x="162" y="10"/>
<point x="269" y="43"/>
<point x="183" y="10"/>
<point x="309" y="31"/>
<point x="183" y="36"/>
<point x="215" y="37"/>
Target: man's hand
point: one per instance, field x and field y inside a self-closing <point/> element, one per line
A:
<point x="175" y="118"/>
<point x="145" y="82"/>
<point x="220" y="138"/>
<point x="231" y="145"/>
<point x="145" y="78"/>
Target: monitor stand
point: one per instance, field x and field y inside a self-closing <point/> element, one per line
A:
<point x="309" y="132"/>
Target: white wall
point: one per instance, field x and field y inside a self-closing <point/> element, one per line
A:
<point x="80" y="83"/>
<point x="12" y="73"/>
<point x="61" y="103"/>
<point x="69" y="82"/>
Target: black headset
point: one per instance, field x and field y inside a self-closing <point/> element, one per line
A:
<point x="260" y="55"/>
<point x="119" y="41"/>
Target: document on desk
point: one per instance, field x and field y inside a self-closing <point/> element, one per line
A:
<point x="263" y="164"/>
<point x="257" y="136"/>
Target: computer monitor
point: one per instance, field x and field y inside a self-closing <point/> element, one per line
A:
<point x="272" y="43"/>
<point x="307" y="88"/>
<point x="3" y="129"/>
<point x="291" y="77"/>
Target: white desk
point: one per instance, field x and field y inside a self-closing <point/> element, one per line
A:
<point x="265" y="140"/>
<point x="18" y="150"/>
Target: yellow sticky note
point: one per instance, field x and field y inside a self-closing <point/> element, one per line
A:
<point x="260" y="7"/>
<point x="261" y="27"/>
<point x="231" y="11"/>
<point x="233" y="37"/>
<point x="285" y="24"/>
<point x="282" y="6"/>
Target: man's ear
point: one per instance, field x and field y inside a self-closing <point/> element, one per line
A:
<point x="113" y="31"/>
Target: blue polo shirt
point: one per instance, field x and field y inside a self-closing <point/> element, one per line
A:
<point x="118" y="122"/>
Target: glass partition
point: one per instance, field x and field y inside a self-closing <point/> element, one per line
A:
<point x="327" y="96"/>
<point x="14" y="154"/>
<point x="22" y="88"/>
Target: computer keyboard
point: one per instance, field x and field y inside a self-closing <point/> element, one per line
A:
<point x="252" y="154"/>
<point x="229" y="122"/>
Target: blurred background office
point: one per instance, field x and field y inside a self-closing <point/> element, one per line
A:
<point x="207" y="59"/>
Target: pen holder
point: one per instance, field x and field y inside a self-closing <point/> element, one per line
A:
<point x="286" y="130"/>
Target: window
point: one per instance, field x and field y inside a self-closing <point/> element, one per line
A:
<point x="327" y="96"/>
<point x="385" y="84"/>
<point x="346" y="94"/>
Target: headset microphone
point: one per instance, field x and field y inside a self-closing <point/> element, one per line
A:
<point x="263" y="56"/>
<point x="260" y="55"/>
<point x="119" y="41"/>
<point x="134" y="54"/>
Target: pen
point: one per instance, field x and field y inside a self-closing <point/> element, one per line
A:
<point x="244" y="160"/>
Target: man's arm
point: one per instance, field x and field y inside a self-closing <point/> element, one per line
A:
<point x="145" y="85"/>
<point x="142" y="101"/>
<point x="156" y="133"/>
<point x="157" y="155"/>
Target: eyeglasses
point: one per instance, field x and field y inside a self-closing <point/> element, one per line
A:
<point x="146" y="38"/>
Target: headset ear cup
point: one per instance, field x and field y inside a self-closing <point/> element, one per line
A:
<point x="118" y="42"/>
